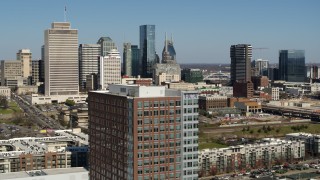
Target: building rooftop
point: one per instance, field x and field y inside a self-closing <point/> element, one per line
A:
<point x="40" y="145"/>
<point x="43" y="172"/>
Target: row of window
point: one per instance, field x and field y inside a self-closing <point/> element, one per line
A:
<point x="148" y="104"/>
<point x="157" y="145"/>
<point x="157" y="154"/>
<point x="157" y="137"/>
<point x="160" y="120"/>
<point x="162" y="128"/>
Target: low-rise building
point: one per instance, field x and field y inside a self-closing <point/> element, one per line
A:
<point x="137" y="80"/>
<point x="40" y="99"/>
<point x="209" y="102"/>
<point x="249" y="107"/>
<point x="251" y="156"/>
<point x="5" y="91"/>
<point x="35" y="153"/>
<point x="273" y="92"/>
<point x="311" y="141"/>
<point x="21" y="90"/>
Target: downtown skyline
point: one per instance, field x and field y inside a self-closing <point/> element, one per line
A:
<point x="202" y="32"/>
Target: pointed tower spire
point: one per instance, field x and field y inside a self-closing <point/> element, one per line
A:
<point x="171" y="38"/>
<point x="165" y="43"/>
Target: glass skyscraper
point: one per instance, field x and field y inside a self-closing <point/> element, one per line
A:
<point x="136" y="68"/>
<point x="147" y="49"/>
<point x="292" y="65"/>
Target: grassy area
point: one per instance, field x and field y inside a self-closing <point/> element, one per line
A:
<point x="278" y="131"/>
<point x="211" y="145"/>
<point x="13" y="107"/>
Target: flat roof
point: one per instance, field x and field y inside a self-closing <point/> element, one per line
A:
<point x="48" y="172"/>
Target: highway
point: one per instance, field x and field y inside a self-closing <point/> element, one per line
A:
<point x="35" y="115"/>
<point x="292" y="111"/>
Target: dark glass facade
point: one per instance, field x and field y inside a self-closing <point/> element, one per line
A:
<point x="147" y="49"/>
<point x="292" y="65"/>
<point x="136" y="68"/>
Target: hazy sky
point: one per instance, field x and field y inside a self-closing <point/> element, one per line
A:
<point x="203" y="30"/>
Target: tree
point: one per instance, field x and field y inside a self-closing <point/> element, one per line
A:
<point x="70" y="102"/>
<point x="4" y="102"/>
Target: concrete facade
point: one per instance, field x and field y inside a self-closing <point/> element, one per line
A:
<point x="61" y="60"/>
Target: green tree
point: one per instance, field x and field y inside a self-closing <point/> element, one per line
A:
<point x="4" y="102"/>
<point x="70" y="102"/>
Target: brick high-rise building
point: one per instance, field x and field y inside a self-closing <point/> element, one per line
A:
<point x="243" y="89"/>
<point x="143" y="132"/>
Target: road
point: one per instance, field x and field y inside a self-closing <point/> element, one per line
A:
<point x="35" y="115"/>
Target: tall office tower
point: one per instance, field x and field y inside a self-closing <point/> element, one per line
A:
<point x="147" y="49"/>
<point x="41" y="70"/>
<point x="168" y="52"/>
<point x="89" y="55"/>
<point x="168" y="71"/>
<point x="61" y="60"/>
<point x="24" y="55"/>
<point x="143" y="132"/>
<point x="292" y="65"/>
<point x="136" y="68"/>
<point x="261" y="66"/>
<point x="107" y="45"/>
<point x="35" y="71"/>
<point x="240" y="62"/>
<point x="41" y="66"/>
<point x="127" y="59"/>
<point x="110" y="69"/>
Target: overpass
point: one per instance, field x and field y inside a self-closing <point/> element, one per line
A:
<point x="314" y="115"/>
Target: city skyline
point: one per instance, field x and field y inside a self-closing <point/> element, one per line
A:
<point x="209" y="27"/>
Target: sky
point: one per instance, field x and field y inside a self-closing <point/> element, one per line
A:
<point x="203" y="30"/>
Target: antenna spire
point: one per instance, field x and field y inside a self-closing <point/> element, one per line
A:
<point x="65" y="13"/>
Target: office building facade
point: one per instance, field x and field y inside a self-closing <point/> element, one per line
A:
<point x="107" y="45"/>
<point x="89" y="55"/>
<point x="25" y="56"/>
<point x="127" y="59"/>
<point x="35" y="71"/>
<point x="292" y="65"/>
<point x="147" y="49"/>
<point x="61" y="60"/>
<point x="10" y="69"/>
<point x="110" y="69"/>
<point x="261" y="66"/>
<point x="136" y="67"/>
<point x="149" y="132"/>
<point x="192" y="75"/>
<point x="240" y="55"/>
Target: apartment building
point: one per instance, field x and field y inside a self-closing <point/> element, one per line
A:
<point x="252" y="156"/>
<point x="143" y="132"/>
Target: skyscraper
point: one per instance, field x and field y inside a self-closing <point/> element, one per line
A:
<point x="61" y="60"/>
<point x="35" y="72"/>
<point x="136" y="67"/>
<point x="240" y="62"/>
<point x="168" y="71"/>
<point x="292" y="65"/>
<point x="110" y="69"/>
<point x="89" y="55"/>
<point x="25" y="56"/>
<point x="127" y="59"/>
<point x="107" y="45"/>
<point x="261" y="66"/>
<point x="147" y="49"/>
<point x="143" y="132"/>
